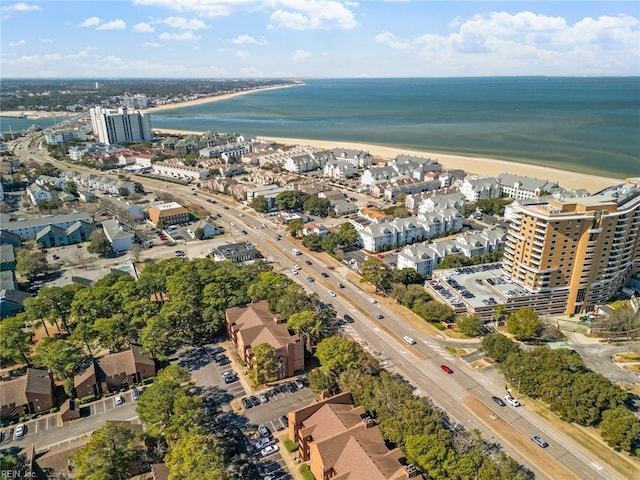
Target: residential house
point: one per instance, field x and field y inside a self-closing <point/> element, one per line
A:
<point x="120" y="239"/>
<point x="28" y="229"/>
<point x="7" y="237"/>
<point x="358" y="158"/>
<point x="475" y="188"/>
<point x="253" y="324"/>
<point x="521" y="187"/>
<point x="417" y="257"/>
<point x="62" y="135"/>
<point x="170" y="213"/>
<point x="86" y="196"/>
<point x="208" y="227"/>
<point x="29" y="394"/>
<point x="339" y="169"/>
<point x="114" y="371"/>
<point x="11" y="301"/>
<point x="343" y="207"/>
<point x="59" y="183"/>
<point x="236" y="252"/>
<point x="176" y="169"/>
<point x="437" y="202"/>
<point x="38" y="194"/>
<point x="53" y="236"/>
<point x="448" y="178"/>
<point x="340" y="441"/>
<point x="315" y="229"/>
<point x="305" y="163"/>
<point x="7" y="257"/>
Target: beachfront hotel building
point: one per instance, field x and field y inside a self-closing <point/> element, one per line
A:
<point x="582" y="249"/>
<point x="121" y="125"/>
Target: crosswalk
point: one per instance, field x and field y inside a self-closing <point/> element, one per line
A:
<point x="438" y="349"/>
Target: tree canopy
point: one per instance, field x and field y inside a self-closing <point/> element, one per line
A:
<point x="377" y="273"/>
<point x="196" y="456"/>
<point x="31" y="263"/>
<point x="524" y="324"/>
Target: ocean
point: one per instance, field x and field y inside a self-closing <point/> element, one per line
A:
<point x="589" y="125"/>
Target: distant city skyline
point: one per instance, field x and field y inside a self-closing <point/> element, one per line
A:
<point x="318" y="39"/>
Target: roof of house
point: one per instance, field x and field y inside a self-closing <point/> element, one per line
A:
<point x="56" y="219"/>
<point x="256" y="324"/>
<point x="113" y="230"/>
<point x="114" y="364"/>
<point x="36" y="381"/>
<point x="7" y="253"/>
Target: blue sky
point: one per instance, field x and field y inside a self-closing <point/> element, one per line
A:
<point x="317" y="38"/>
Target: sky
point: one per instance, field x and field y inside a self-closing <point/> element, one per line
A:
<point x="317" y="38"/>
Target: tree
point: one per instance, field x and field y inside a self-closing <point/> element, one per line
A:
<point x="14" y="341"/>
<point x="470" y="325"/>
<point x="71" y="188"/>
<point x="199" y="233"/>
<point x="454" y="261"/>
<point x="306" y="323"/>
<point x="46" y="169"/>
<point x="377" y="273"/>
<point x="408" y="276"/>
<point x="317" y="206"/>
<point x="319" y="382"/>
<point x="85" y="332"/>
<point x="196" y="456"/>
<point x="433" y="311"/>
<point x="291" y="199"/>
<point x="348" y="234"/>
<point x="524" y="324"/>
<point x="31" y="263"/>
<point x="53" y="304"/>
<point x="260" y="204"/>
<point x="264" y="365"/>
<point x="337" y="355"/>
<point x="294" y="227"/>
<point x="99" y="244"/>
<point x="112" y="453"/>
<point x="313" y="242"/>
<point x="61" y="356"/>
<point x="620" y="428"/>
<point x="138" y="187"/>
<point x="498" y="347"/>
<point x="500" y="313"/>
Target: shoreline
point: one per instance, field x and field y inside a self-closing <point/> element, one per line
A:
<point x="211" y="99"/>
<point x="34" y="114"/>
<point x="471" y="165"/>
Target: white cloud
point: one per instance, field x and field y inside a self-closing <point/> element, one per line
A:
<point x="39" y="59"/>
<point x="184" y="23"/>
<point x="242" y="54"/>
<point x="152" y="44"/>
<point x="20" y="7"/>
<point x="19" y="43"/>
<point x="46" y="40"/>
<point x="248" y="40"/>
<point x="208" y="8"/>
<point x="391" y="40"/>
<point x="182" y="37"/>
<point x="118" y="24"/>
<point x="84" y="53"/>
<point x="143" y="27"/>
<point x="91" y="22"/>
<point x="309" y="14"/>
<point x="300" y="55"/>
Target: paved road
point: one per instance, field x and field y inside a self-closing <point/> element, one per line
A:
<point x="420" y="363"/>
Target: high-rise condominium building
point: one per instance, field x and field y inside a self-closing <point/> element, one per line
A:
<point x="585" y="247"/>
<point x="121" y="125"/>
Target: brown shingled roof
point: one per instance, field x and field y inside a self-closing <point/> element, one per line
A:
<point x="15" y="391"/>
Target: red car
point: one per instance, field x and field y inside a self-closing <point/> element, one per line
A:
<point x="446" y="369"/>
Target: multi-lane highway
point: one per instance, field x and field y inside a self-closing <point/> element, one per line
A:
<point x="419" y="363"/>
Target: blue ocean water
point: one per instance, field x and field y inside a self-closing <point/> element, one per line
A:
<point x="16" y="125"/>
<point x="589" y="125"/>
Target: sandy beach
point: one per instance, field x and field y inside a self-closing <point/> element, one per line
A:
<point x="34" y="114"/>
<point x="477" y="165"/>
<point x="214" y="98"/>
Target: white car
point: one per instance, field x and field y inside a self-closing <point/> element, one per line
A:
<point x="332" y="293"/>
<point x="409" y="340"/>
<point x="294" y="271"/>
<point x="270" y="450"/>
<point x="264" y="431"/>
<point x="512" y="401"/>
<point x="296" y="267"/>
<point x="119" y="400"/>
<point x="20" y="430"/>
<point x="373" y="300"/>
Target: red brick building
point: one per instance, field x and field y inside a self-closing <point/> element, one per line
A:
<point x="29" y="394"/>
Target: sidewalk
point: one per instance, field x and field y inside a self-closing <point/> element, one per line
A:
<point x="289" y="458"/>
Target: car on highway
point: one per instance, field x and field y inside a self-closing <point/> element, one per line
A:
<point x="446" y="369"/>
<point x="372" y="300"/>
<point x="499" y="401"/>
<point x="409" y="340"/>
<point x="310" y="279"/>
<point x="325" y="275"/>
<point x="270" y="450"/>
<point x="20" y="430"/>
<point x="264" y="431"/>
<point x="331" y="293"/>
<point x="294" y="271"/>
<point x="512" y="401"/>
<point x="307" y="262"/>
<point x="348" y="318"/>
<point x="540" y="441"/>
<point x="296" y="266"/>
<point x="378" y="315"/>
<point x="340" y="285"/>
<point x="118" y="400"/>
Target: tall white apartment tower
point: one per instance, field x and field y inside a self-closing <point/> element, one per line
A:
<point x="121" y="125"/>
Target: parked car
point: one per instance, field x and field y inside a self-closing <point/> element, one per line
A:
<point x="216" y="350"/>
<point x="285" y="419"/>
<point x="135" y="394"/>
<point x="512" y="401"/>
<point x="270" y="450"/>
<point x="264" y="431"/>
<point x="499" y="401"/>
<point x="254" y="400"/>
<point x="118" y="400"/>
<point x="540" y="441"/>
<point x="446" y="369"/>
<point x="263" y="398"/>
<point x="264" y="442"/>
<point x="292" y="388"/>
<point x="298" y="383"/>
<point x="246" y="403"/>
<point x="20" y="430"/>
